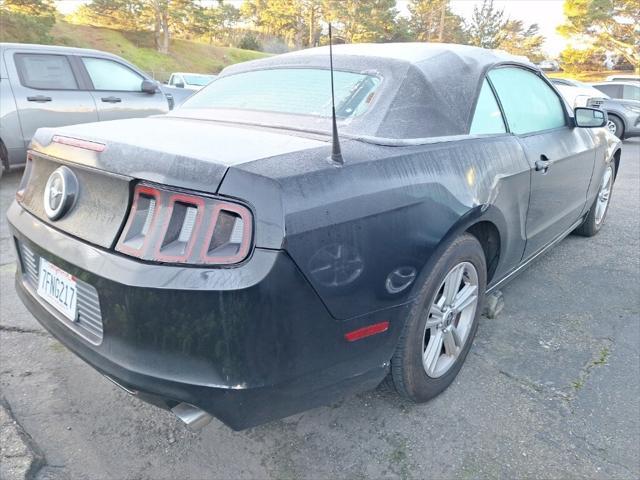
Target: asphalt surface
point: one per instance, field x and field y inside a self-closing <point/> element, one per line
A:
<point x="551" y="389"/>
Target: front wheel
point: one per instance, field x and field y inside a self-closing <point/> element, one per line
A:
<point x="443" y="322"/>
<point x="615" y="126"/>
<point x="598" y="211"/>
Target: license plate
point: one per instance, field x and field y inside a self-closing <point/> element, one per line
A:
<point x="58" y="288"/>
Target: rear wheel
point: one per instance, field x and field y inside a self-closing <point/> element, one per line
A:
<point x="443" y="322"/>
<point x="598" y="211"/>
<point x="615" y="126"/>
<point x="4" y="158"/>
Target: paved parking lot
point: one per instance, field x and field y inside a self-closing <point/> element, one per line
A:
<point x="551" y="389"/>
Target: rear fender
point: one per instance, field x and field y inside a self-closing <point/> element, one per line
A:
<point x="480" y="213"/>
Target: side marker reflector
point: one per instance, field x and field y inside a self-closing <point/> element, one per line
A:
<point x="367" y="331"/>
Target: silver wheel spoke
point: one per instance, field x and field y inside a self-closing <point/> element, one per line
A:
<point x="604" y="195"/>
<point x="452" y="284"/>
<point x="456" y="336"/>
<point x="450" y="345"/>
<point x="435" y="316"/>
<point x="432" y="353"/>
<point x="465" y="297"/>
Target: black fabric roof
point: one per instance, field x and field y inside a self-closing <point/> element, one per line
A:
<point x="427" y="90"/>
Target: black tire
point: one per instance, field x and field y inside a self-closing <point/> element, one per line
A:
<point x="408" y="375"/>
<point x="591" y="225"/>
<point x="4" y="160"/>
<point x="619" y="125"/>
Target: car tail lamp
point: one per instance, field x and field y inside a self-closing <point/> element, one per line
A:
<point x="178" y="227"/>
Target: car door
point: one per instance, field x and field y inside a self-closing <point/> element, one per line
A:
<point x="117" y="90"/>
<point x="560" y="156"/>
<point x="48" y="91"/>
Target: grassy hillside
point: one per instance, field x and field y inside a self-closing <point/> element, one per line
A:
<point x="137" y="47"/>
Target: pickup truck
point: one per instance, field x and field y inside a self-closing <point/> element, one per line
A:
<point x="51" y="86"/>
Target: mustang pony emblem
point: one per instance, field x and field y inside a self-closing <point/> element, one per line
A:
<point x="60" y="193"/>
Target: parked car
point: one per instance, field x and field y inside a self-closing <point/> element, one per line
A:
<point x="190" y="81"/>
<point x="623" y="115"/>
<point x="176" y="96"/>
<point x="235" y="259"/>
<point x="549" y="66"/>
<point x="623" y="78"/>
<point x="579" y="94"/>
<point x="620" y="90"/>
<point x="49" y="86"/>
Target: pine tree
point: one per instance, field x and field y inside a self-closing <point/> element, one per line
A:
<point x="362" y="21"/>
<point x="433" y="21"/>
<point x="487" y="27"/>
<point x="519" y="40"/>
<point x="609" y="24"/>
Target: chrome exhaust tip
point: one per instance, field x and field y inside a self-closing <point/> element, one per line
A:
<point x="193" y="417"/>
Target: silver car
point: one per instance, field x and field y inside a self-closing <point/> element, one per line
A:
<point x="50" y="86"/>
<point x="623" y="113"/>
<point x="190" y="81"/>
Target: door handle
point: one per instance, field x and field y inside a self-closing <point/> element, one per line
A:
<point x="543" y="164"/>
<point x="39" y="98"/>
<point x="111" y="99"/>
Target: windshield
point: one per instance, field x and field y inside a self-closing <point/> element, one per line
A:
<point x="199" y="80"/>
<point x="302" y="91"/>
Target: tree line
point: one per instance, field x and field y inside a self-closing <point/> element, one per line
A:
<point x="279" y="25"/>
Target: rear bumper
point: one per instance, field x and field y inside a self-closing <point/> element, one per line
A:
<point x="247" y="344"/>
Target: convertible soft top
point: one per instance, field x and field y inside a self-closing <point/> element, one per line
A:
<point x="428" y="89"/>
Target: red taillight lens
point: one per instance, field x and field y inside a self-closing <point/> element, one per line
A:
<point x="176" y="227"/>
<point x="228" y="234"/>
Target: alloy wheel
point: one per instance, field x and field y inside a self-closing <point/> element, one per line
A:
<point x="604" y="194"/>
<point x="450" y="319"/>
<point x="612" y="127"/>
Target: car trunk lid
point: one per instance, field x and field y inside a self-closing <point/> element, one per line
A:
<point x="106" y="157"/>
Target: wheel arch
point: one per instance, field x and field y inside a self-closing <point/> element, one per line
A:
<point x="487" y="233"/>
<point x="616" y="161"/>
<point x="621" y="119"/>
<point x="486" y="223"/>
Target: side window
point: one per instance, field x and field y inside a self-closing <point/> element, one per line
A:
<point x="110" y="75"/>
<point x="631" y="92"/>
<point x="614" y="91"/>
<point x="487" y="117"/>
<point x="46" y="72"/>
<point x="529" y="104"/>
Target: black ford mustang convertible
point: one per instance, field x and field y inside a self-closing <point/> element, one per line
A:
<point x="221" y="261"/>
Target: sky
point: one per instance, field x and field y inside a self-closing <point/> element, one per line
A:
<point x="546" y="13"/>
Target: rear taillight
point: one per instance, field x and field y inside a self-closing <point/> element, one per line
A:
<point x="178" y="227"/>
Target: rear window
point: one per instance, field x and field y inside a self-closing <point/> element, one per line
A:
<point x="198" y="80"/>
<point x="301" y="91"/>
<point x="45" y="72"/>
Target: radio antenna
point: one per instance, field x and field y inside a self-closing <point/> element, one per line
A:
<point x="336" y="152"/>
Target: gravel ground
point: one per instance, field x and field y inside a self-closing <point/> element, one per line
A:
<point x="551" y="389"/>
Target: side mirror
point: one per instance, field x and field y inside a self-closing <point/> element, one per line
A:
<point x="589" y="117"/>
<point x="149" y="86"/>
<point x="179" y="85"/>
